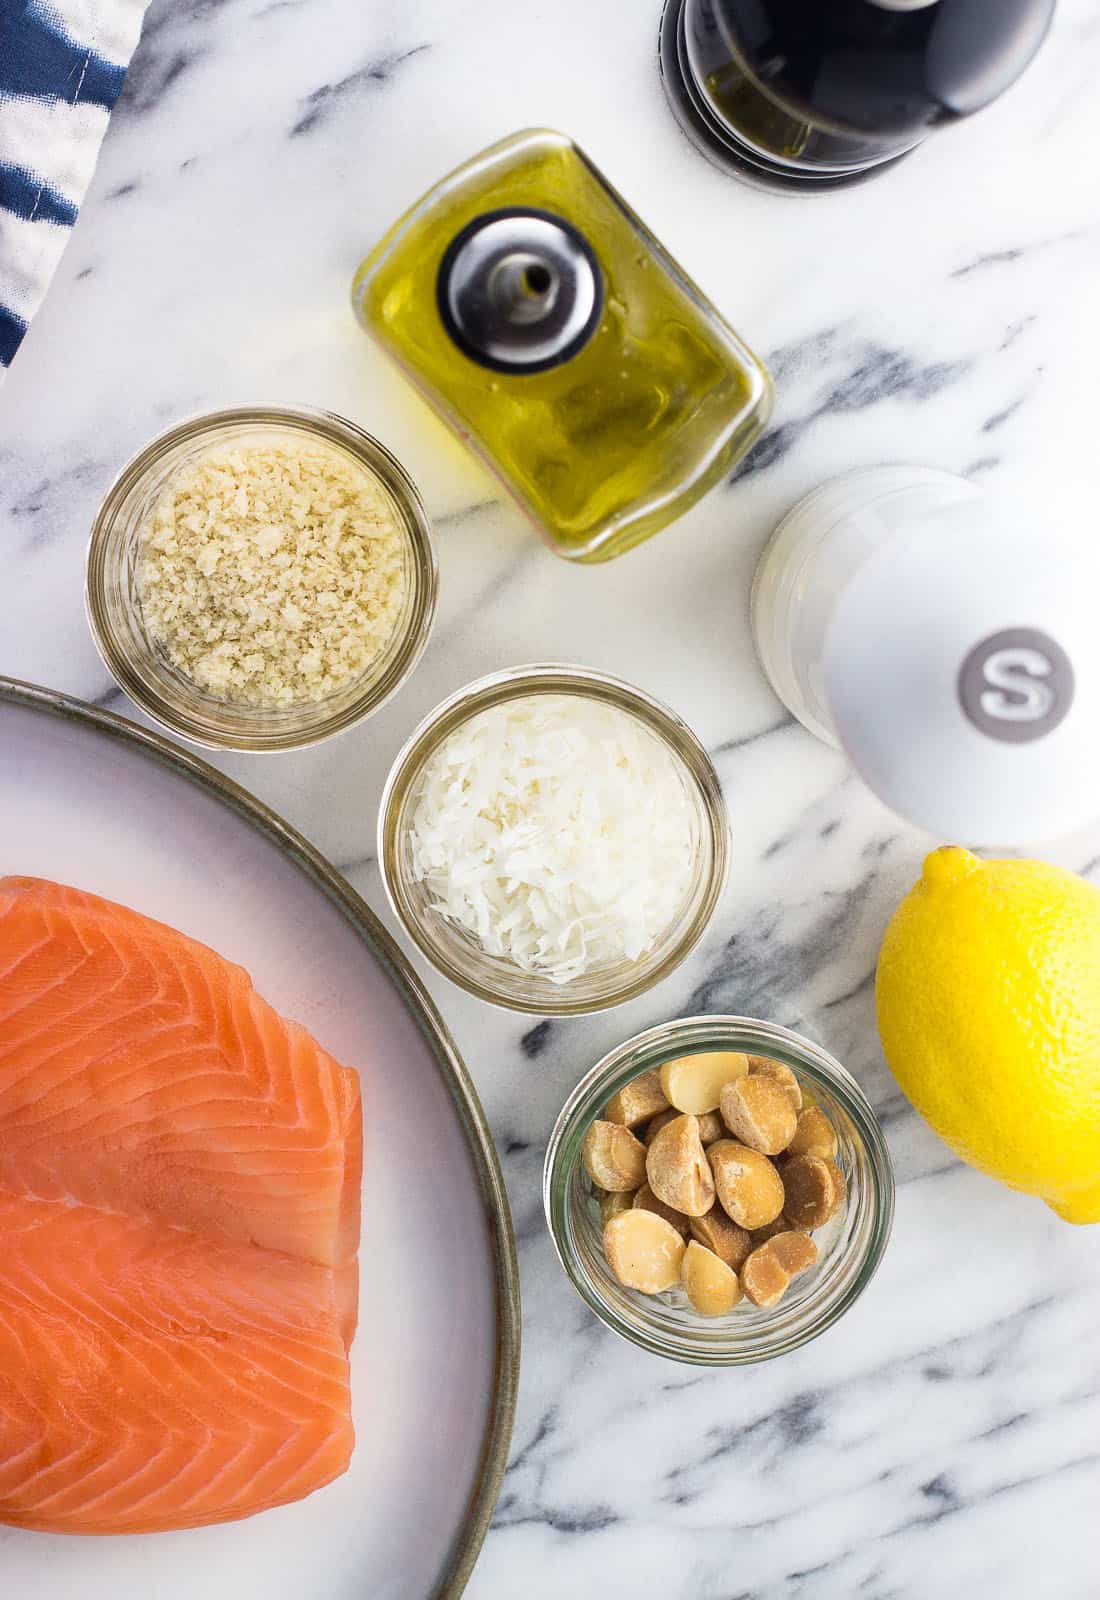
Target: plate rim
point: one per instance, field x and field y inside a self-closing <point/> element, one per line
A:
<point x="449" y="1062"/>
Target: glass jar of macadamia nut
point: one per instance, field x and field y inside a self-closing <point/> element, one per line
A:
<point x="718" y="1190"/>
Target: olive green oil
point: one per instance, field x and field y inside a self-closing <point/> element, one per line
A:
<point x="646" y="401"/>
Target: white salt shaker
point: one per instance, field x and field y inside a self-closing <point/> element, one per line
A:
<point x="949" y="644"/>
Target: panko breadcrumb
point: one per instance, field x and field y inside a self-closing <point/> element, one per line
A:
<point x="272" y="573"/>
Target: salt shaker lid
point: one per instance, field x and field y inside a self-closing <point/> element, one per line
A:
<point x="962" y="670"/>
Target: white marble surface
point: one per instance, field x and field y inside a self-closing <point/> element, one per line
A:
<point x="946" y="1436"/>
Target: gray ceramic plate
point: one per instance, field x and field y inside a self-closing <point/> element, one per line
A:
<point x="89" y="799"/>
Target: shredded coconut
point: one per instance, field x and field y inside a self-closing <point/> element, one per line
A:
<point x="556" y="830"/>
<point x="273" y="573"/>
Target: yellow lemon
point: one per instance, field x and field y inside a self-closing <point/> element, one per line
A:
<point x="988" y="995"/>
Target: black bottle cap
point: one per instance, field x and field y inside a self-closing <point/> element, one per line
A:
<point x="977" y="49"/>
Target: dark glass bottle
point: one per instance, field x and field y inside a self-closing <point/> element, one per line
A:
<point x="817" y="93"/>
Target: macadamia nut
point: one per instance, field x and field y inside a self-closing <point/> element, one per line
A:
<point x="612" y="1204"/>
<point x="678" y="1170"/>
<point x="711" y="1127"/>
<point x="637" y="1100"/>
<point x="758" y="1111"/>
<point x="646" y="1200"/>
<point x="694" y="1083"/>
<point x="815" y="1190"/>
<point x="765" y="1067"/>
<point x="748" y="1186"/>
<point x="729" y="1242"/>
<point x="781" y="1224"/>
<point x="613" y="1158"/>
<point x="764" y="1277"/>
<point x="794" y="1251"/>
<point x="711" y="1285"/>
<point x="768" y="1271"/>
<point x="814" y="1135"/>
<point x="643" y="1251"/>
<point x="660" y="1121"/>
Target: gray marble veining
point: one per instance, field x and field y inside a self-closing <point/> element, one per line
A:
<point x="945" y="1437"/>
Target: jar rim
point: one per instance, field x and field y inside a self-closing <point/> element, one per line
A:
<point x="501" y="687"/>
<point x="694" y="1035"/>
<point x="263" y="731"/>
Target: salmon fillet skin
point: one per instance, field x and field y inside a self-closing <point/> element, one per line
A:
<point x="180" y="1173"/>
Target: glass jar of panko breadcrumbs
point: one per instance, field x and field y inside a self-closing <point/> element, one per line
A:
<point x="261" y="578"/>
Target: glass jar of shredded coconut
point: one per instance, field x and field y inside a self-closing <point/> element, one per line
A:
<point x="553" y="839"/>
<point x="261" y="579"/>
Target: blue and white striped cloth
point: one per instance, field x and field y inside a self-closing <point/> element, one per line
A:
<point x="62" y="63"/>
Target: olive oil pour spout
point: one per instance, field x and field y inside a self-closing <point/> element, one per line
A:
<point x="559" y="339"/>
<point x="520" y="291"/>
<point x="523" y="288"/>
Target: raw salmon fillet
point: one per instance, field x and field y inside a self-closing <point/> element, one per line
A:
<point x="151" y="1379"/>
<point x="180" y="1172"/>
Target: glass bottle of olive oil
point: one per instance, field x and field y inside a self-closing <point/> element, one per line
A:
<point x="553" y="332"/>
